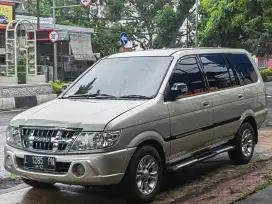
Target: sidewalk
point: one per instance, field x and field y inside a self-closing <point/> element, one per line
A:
<point x="263" y="196"/>
<point x="265" y="141"/>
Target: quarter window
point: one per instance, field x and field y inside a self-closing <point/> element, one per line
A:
<point x="219" y="75"/>
<point x="187" y="71"/>
<point x="243" y="67"/>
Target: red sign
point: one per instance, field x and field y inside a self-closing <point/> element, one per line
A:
<point x="86" y="3"/>
<point x="53" y="36"/>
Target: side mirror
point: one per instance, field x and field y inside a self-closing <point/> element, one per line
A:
<point x="179" y="88"/>
<point x="64" y="87"/>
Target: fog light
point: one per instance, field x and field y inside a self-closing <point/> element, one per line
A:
<point x="9" y="162"/>
<point x="80" y="169"/>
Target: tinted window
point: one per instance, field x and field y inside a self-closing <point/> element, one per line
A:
<point x="188" y="72"/>
<point x="243" y="67"/>
<point x="120" y="77"/>
<point x="219" y="75"/>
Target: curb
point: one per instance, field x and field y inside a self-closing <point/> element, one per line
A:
<point x="24" y="101"/>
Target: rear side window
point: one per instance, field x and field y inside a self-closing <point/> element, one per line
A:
<point x="243" y="67"/>
<point x="219" y="75"/>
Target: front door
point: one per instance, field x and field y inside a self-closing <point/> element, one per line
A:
<point x="191" y="113"/>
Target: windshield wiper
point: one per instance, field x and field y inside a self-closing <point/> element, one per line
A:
<point x="92" y="96"/>
<point x="136" y="97"/>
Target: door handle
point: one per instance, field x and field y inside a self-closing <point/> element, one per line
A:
<point x="206" y="103"/>
<point x="240" y="96"/>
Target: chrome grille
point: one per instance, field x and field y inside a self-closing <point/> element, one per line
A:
<point x="48" y="140"/>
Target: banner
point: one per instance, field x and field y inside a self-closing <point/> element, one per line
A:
<point x="81" y="46"/>
<point x="6" y="14"/>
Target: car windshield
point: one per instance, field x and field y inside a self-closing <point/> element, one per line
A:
<point x="128" y="77"/>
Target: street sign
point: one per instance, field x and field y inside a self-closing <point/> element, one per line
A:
<point x="86" y="3"/>
<point x="64" y="35"/>
<point x="123" y="38"/>
<point x="54" y="36"/>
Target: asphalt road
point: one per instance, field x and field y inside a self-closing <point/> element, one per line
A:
<point x="23" y="194"/>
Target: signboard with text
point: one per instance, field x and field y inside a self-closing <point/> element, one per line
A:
<point x="54" y="36"/>
<point x="6" y="14"/>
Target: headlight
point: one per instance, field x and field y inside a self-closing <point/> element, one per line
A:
<point x="95" y="140"/>
<point x="14" y="136"/>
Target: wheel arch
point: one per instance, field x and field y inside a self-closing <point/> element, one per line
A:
<point x="252" y="122"/>
<point x="154" y="139"/>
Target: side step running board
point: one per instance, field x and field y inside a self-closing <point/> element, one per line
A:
<point x="200" y="158"/>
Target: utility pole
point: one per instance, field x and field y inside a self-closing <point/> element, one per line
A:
<point x="38" y="14"/>
<point x="38" y="27"/>
<point x="55" y="44"/>
<point x="196" y="34"/>
<point x="187" y="32"/>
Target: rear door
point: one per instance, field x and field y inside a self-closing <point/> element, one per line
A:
<point x="227" y="96"/>
<point x="254" y="92"/>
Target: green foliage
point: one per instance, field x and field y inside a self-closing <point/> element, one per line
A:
<point x="166" y="21"/>
<point x="13" y="176"/>
<point x="152" y="23"/>
<point x="237" y="23"/>
<point x="265" y="73"/>
<point x="56" y="86"/>
<point x="221" y="22"/>
<point x="106" y="37"/>
<point x="170" y="19"/>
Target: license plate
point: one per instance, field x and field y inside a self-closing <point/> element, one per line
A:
<point x="40" y="163"/>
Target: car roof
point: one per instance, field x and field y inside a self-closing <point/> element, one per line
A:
<point x="172" y="51"/>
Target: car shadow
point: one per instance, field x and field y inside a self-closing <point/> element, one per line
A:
<point x="64" y="194"/>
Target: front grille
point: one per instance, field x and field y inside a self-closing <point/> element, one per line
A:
<point x="47" y="140"/>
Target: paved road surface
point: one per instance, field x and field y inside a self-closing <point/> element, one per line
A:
<point x="262" y="197"/>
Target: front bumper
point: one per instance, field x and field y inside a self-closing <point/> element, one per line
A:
<point x="100" y="169"/>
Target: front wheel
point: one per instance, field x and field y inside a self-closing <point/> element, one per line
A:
<point x="144" y="175"/>
<point x="37" y="184"/>
<point x="244" y="145"/>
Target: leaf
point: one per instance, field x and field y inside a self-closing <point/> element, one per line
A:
<point x="13" y="176"/>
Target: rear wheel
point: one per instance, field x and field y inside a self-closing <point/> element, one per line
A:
<point x="244" y="145"/>
<point x="144" y="175"/>
<point x="37" y="184"/>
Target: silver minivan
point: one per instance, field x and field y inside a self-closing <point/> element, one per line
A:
<point x="132" y="116"/>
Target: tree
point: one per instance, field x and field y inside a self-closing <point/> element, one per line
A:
<point x="239" y="23"/>
<point x="221" y="22"/>
<point x="106" y="37"/>
<point x="153" y="23"/>
<point x="259" y="27"/>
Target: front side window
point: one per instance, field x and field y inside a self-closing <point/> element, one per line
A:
<point x="123" y="77"/>
<point x="243" y="67"/>
<point x="219" y="75"/>
<point x="187" y="72"/>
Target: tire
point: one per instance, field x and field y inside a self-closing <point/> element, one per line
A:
<point x="37" y="184"/>
<point x="244" y="145"/>
<point x="138" y="166"/>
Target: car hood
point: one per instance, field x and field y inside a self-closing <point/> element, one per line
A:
<point x="92" y="115"/>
